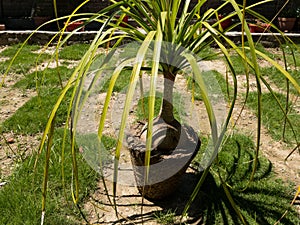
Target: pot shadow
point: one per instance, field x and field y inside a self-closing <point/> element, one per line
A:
<point x="263" y="202"/>
<point x="211" y="205"/>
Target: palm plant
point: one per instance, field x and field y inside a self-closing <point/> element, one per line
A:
<point x="174" y="33"/>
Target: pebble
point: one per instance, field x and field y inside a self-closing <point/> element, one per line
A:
<point x="2" y="184"/>
<point x="10" y="140"/>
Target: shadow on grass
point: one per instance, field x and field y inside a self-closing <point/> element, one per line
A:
<point x="263" y="201"/>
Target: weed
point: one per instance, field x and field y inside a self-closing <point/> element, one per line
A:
<point x="165" y="217"/>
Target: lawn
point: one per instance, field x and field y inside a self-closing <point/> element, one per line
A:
<point x="262" y="201"/>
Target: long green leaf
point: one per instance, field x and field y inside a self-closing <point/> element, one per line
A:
<point x="204" y="93"/>
<point x="153" y="82"/>
<point x="133" y="80"/>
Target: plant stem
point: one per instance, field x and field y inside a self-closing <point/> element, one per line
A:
<point x="167" y="105"/>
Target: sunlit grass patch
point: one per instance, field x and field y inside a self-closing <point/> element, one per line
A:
<point x="97" y="154"/>
<point x="11" y="50"/>
<point x="216" y="85"/>
<point x="32" y="117"/>
<point x="20" y="198"/>
<point x="239" y="65"/>
<point x="273" y="118"/>
<point x="279" y="80"/>
<point x="263" y="201"/>
<point x="24" y="61"/>
<point x="292" y="54"/>
<point x="73" y="52"/>
<point x="48" y="77"/>
<point x="143" y="106"/>
<point x="122" y="82"/>
<point x="209" y="53"/>
<point x="165" y="218"/>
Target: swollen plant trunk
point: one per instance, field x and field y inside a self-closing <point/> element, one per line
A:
<point x="166" y="112"/>
<point x="173" y="147"/>
<point x="166" y="126"/>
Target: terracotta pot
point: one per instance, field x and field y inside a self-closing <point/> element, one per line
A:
<point x="74" y="25"/>
<point x="286" y="24"/>
<point x="258" y="28"/>
<point x="124" y="20"/>
<point x="226" y="23"/>
<point x="165" y="175"/>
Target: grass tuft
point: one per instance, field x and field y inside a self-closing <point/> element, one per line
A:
<point x="32" y="117"/>
<point x="27" y="58"/>
<point x="48" y="77"/>
<point x="274" y="119"/>
<point x="263" y="202"/>
<point x="73" y="52"/>
<point x="22" y="194"/>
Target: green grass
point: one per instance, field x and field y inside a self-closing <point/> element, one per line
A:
<point x="24" y="61"/>
<point x="280" y="81"/>
<point x="20" y="198"/>
<point x="274" y="119"/>
<point x="291" y="53"/>
<point x="261" y="48"/>
<point x="208" y="53"/>
<point x="121" y="84"/>
<point x="49" y="77"/>
<point x="143" y="106"/>
<point x="263" y="202"/>
<point x="165" y="217"/>
<point x="73" y="52"/>
<point x="239" y="63"/>
<point x="94" y="152"/>
<point x="210" y="79"/>
<point x="32" y="117"/>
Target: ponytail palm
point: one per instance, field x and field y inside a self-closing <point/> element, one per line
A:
<point x="174" y="33"/>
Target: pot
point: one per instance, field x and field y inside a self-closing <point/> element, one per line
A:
<point x="286" y="24"/>
<point x="164" y="175"/>
<point x="74" y="25"/>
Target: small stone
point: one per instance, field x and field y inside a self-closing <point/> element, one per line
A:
<point x="10" y="140"/>
<point x="2" y="183"/>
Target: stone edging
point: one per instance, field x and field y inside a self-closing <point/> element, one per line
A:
<point x="42" y="37"/>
